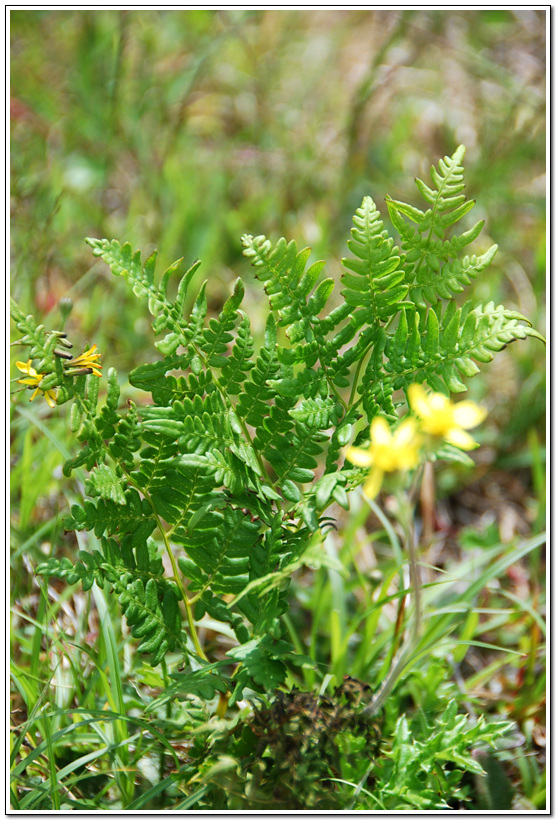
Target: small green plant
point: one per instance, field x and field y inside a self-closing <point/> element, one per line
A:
<point x="317" y="753"/>
<point x="206" y="498"/>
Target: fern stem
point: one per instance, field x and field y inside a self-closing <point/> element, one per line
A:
<point x="356" y="376"/>
<point x="187" y="602"/>
<point x="193" y="630"/>
<point x="331" y="385"/>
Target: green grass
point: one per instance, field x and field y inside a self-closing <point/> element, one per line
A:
<point x="182" y="130"/>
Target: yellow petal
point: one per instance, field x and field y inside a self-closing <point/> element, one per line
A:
<point x="459" y="438"/>
<point x="438" y="402"/>
<point x="87" y="358"/>
<point x="468" y="414"/>
<point x="359" y="457"/>
<point x="406" y="432"/>
<point x="418" y="399"/>
<point x="380" y="431"/>
<point x="50" y="397"/>
<point x="25" y="367"/>
<point x="373" y="484"/>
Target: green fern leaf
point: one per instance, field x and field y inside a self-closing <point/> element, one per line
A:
<point x="432" y="269"/>
<point x="239" y="363"/>
<point x="227" y="461"/>
<point x="104" y="482"/>
<point x="441" y="281"/>
<point x="377" y="289"/>
<point x="288" y="284"/>
<point x="149" y="601"/>
<point x="202" y="683"/>
<point x="252" y="405"/>
<point x="438" y="351"/>
<point x="218" y="550"/>
<point x="105" y="516"/>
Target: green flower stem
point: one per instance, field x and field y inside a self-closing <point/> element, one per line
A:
<point x="405" y="518"/>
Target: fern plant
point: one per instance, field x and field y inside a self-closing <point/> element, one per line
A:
<point x="230" y="467"/>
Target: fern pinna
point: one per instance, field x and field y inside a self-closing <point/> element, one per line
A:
<point x="231" y="466"/>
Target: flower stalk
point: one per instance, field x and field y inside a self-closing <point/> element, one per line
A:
<point x="433" y="418"/>
<point x="405" y="515"/>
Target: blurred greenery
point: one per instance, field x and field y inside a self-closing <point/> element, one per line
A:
<point x="182" y="130"/>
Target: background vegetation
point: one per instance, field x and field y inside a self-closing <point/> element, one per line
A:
<point x="183" y="130"/>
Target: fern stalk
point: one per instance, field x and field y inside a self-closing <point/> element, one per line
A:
<point x="177" y="579"/>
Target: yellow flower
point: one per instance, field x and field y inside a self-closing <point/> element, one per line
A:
<point x="387" y="452"/>
<point x="88" y="359"/>
<point x="441" y="418"/>
<point x="33" y="380"/>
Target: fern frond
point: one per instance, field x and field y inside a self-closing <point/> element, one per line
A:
<point x="271" y="434"/>
<point x="167" y="315"/>
<point x="153" y="462"/>
<point x="239" y="363"/>
<point x="203" y="683"/>
<point x="127" y="439"/>
<point x="252" y="405"/>
<point x="105" y="482"/>
<point x="317" y="413"/>
<point x="437" y="348"/>
<point x="440" y="281"/>
<point x="151" y="610"/>
<point x="448" y="202"/>
<point x="166" y="387"/>
<point x="148" y="600"/>
<point x="376" y="290"/>
<point x="176" y="494"/>
<point x="287" y="283"/>
<point x="227" y="461"/>
<point x="262" y="664"/>
<point x="299" y="460"/>
<point x="218" y="551"/>
<point x="218" y="334"/>
<point x="134" y="517"/>
<point x="432" y="269"/>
